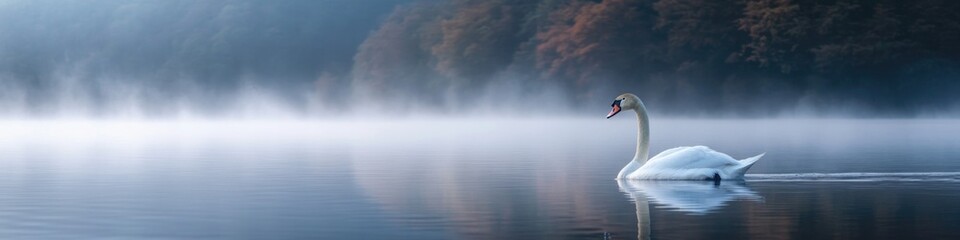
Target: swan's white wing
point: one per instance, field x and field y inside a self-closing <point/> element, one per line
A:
<point x="690" y="158"/>
<point x="690" y="163"/>
<point x="668" y="152"/>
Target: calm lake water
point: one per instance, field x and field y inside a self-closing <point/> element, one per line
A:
<point x="472" y="179"/>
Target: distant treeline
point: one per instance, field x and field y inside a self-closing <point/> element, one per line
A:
<point x="684" y="57"/>
<point x="753" y="57"/>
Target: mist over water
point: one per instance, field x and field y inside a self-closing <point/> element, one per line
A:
<point x="174" y="58"/>
<point x="474" y="119"/>
<point x="285" y="59"/>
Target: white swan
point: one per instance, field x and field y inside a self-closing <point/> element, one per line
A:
<point x="681" y="163"/>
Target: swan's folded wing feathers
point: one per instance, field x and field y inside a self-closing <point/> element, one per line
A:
<point x="690" y="157"/>
<point x="668" y="152"/>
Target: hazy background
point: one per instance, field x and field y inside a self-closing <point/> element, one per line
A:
<point x="251" y="58"/>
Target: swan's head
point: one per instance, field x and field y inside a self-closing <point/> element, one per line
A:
<point x="624" y="101"/>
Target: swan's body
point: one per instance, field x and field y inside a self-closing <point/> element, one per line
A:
<point x="682" y="163"/>
<point x="689" y="163"/>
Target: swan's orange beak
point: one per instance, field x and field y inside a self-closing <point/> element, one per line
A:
<point x="615" y="110"/>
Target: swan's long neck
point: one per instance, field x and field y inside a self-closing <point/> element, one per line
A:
<point x="643" y="134"/>
<point x="643" y="139"/>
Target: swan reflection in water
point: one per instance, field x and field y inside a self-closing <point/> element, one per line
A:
<point x="690" y="197"/>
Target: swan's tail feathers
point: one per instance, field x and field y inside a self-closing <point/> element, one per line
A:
<point x="745" y="165"/>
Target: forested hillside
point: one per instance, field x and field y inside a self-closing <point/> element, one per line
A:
<point x="744" y="56"/>
<point x="683" y="57"/>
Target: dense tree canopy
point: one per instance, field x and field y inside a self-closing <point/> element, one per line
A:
<point x="746" y="56"/>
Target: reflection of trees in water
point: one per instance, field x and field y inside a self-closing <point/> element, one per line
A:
<point x="542" y="194"/>
<point x="537" y="193"/>
<point x="529" y="186"/>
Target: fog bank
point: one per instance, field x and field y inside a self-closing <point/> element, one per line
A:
<point x="321" y="59"/>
